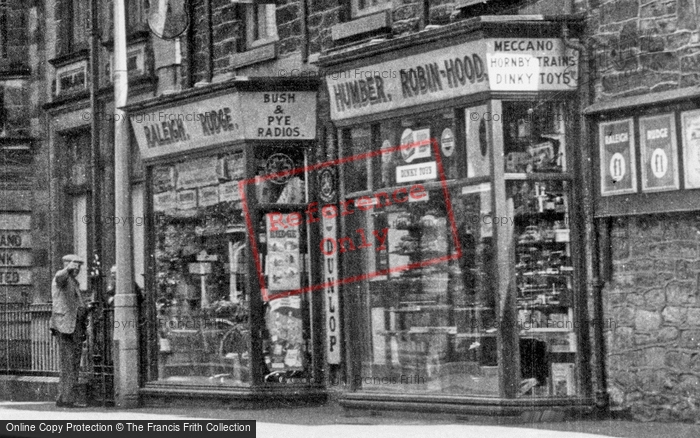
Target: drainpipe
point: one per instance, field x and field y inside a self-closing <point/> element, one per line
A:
<point x="126" y="362"/>
<point x="595" y="285"/>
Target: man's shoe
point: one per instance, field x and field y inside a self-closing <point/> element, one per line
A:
<point x="62" y="404"/>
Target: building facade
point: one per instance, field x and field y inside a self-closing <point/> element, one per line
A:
<point x="478" y="207"/>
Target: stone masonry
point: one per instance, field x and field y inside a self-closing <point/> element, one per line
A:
<point x="653" y="300"/>
<point x="653" y="305"/>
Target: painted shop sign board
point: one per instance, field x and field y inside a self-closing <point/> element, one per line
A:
<point x="659" y="153"/>
<point x="223" y="119"/>
<point x="15" y="249"/>
<point x="617" y="166"/>
<point x="524" y="64"/>
<point x="691" y="148"/>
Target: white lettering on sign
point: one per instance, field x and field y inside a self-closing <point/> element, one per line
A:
<point x="16" y="258"/>
<point x="416" y="172"/>
<point x="659" y="163"/>
<point x="331" y="302"/>
<point x="618" y="167"/>
<point x="654" y="134"/>
<point x="15" y="239"/>
<point x="15" y="277"/>
<point x="616" y="138"/>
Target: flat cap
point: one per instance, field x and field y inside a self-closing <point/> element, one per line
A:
<point x="72" y="258"/>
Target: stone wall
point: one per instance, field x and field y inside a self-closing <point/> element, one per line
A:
<point x="653" y="306"/>
<point x="643" y="46"/>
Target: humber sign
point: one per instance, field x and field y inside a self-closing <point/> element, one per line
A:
<point x="543" y="64"/>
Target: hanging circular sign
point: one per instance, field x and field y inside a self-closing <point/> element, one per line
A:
<point x="659" y="163"/>
<point x="618" y="167"/>
<point x="327" y="185"/>
<point x="447" y="142"/>
<point x="168" y="19"/>
<point x="279" y="163"/>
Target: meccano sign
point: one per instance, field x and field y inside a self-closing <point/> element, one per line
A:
<point x="223" y="119"/>
<point x="519" y="64"/>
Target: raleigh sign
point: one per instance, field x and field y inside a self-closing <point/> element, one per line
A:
<point x="543" y="64"/>
<point x="224" y="119"/>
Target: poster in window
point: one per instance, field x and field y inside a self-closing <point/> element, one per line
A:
<point x="617" y="149"/>
<point x="659" y="153"/>
<point x="283" y="265"/>
<point x="691" y="148"/>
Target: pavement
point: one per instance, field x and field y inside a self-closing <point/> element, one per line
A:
<point x="328" y="420"/>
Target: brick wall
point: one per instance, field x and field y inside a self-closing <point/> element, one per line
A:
<point x="653" y="302"/>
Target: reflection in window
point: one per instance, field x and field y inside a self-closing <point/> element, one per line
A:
<point x="201" y="251"/>
<point x="428" y="326"/>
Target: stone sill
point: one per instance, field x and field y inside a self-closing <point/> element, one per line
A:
<point x="254" y="56"/>
<point x="362" y="25"/>
<point x="79" y="55"/>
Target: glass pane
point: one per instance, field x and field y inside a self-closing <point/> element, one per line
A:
<point x="427" y="319"/>
<point x="284" y="176"/>
<point x="544" y="281"/>
<point x="201" y="251"/>
<point x="533" y="137"/>
<point x="356" y="141"/>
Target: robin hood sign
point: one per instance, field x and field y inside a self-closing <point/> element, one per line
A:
<point x="520" y="64"/>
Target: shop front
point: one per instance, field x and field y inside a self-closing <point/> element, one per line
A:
<point x="459" y="154"/>
<point x="218" y="162"/>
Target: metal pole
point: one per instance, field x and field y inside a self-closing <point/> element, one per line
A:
<point x="125" y="341"/>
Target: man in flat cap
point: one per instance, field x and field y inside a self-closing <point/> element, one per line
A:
<point x="68" y="323"/>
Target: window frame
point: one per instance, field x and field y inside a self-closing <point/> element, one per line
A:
<point x="357" y="12"/>
<point x="252" y="25"/>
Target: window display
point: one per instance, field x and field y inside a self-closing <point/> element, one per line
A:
<point x="543" y="266"/>
<point x="430" y="321"/>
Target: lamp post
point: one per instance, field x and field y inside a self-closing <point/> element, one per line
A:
<point x="126" y="346"/>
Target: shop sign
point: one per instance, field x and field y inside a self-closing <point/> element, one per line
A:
<point x="10" y="258"/>
<point x="420" y="141"/>
<point x="659" y="153"/>
<point x="187" y="199"/>
<point x="229" y="192"/>
<point x="327" y="184"/>
<point x="447" y="142"/>
<point x="691" y="148"/>
<point x="15" y="239"/>
<point x="223" y="119"/>
<point x="501" y="64"/>
<point x="526" y="64"/>
<point x="416" y="172"/>
<point x="283" y="265"/>
<point x="15" y="249"/>
<point x="208" y="196"/>
<point x="617" y="150"/>
<point x="197" y="173"/>
<point x="15" y="277"/>
<point x="279" y="116"/>
<point x="331" y="302"/>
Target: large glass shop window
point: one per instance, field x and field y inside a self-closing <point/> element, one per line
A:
<point x="541" y="243"/>
<point x="427" y="325"/>
<point x="427" y="320"/>
<point x="201" y="252"/>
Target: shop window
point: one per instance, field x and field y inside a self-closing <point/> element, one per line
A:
<point x="261" y="25"/>
<point x="542" y="265"/>
<point x="428" y="325"/>
<point x="361" y="8"/>
<point x="78" y="155"/>
<point x="533" y="137"/>
<point x="201" y="252"/>
<point x="357" y="141"/>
